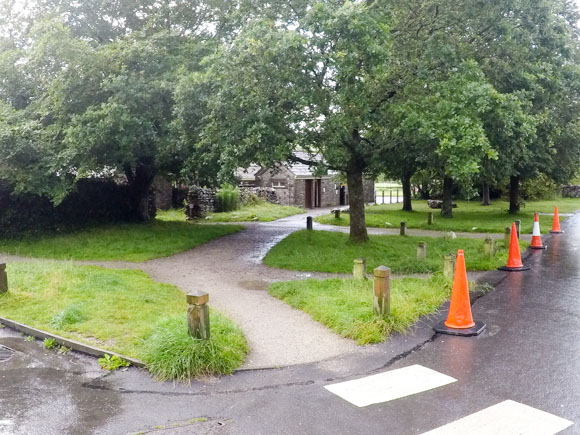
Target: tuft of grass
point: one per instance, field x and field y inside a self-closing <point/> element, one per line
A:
<point x="468" y="216"/>
<point x="171" y="353"/>
<point x="49" y="343"/>
<point x="114" y="362"/>
<point x="346" y="306"/>
<point x="123" y="311"/>
<point x="262" y="211"/>
<point x="123" y="242"/>
<point x="326" y="251"/>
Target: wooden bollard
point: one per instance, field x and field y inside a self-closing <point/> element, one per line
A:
<point x="518" y="227"/>
<point x="506" y="237"/>
<point x="449" y="266"/>
<point x="382" y="291"/>
<point x="359" y="269"/>
<point x="430" y="218"/>
<point x="309" y="223"/>
<point x="337" y="214"/>
<point x="403" y="228"/>
<point x="421" y="251"/>
<point x="488" y="246"/>
<point x="198" y="314"/>
<point x="3" y="278"/>
<point x="391" y="196"/>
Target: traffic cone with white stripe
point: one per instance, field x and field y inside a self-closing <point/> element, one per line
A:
<point x="556" y="223"/>
<point x="536" y="236"/>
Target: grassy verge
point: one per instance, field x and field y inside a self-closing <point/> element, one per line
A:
<point x="262" y="212"/>
<point x="345" y="306"/>
<point x="124" y="242"/>
<point x="123" y="311"/>
<point x="468" y="216"/>
<point x="324" y="251"/>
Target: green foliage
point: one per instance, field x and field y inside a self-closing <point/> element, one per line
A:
<point x="71" y="315"/>
<point x="346" y="306"/>
<point x="171" y="353"/>
<point x="49" y="343"/>
<point x="228" y="198"/>
<point x="29" y="338"/>
<point x="125" y="242"/>
<point x="114" y="362"/>
<point x="323" y="251"/>
<point x="540" y="187"/>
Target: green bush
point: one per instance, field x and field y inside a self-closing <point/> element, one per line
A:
<point x="540" y="187"/>
<point x="228" y="198"/>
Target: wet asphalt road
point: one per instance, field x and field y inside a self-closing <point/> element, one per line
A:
<point x="529" y="353"/>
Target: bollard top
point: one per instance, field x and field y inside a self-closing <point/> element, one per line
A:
<point x="359" y="260"/>
<point x="421" y="244"/>
<point x="403" y="222"/>
<point x="382" y="271"/>
<point x="488" y="239"/>
<point x="197" y="297"/>
<point x="450" y="255"/>
<point x="2" y="266"/>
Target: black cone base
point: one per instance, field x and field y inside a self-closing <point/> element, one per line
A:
<point x="556" y="232"/>
<point x="539" y="247"/>
<point x="514" y="269"/>
<point x="468" y="332"/>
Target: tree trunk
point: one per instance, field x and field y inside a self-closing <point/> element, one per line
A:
<point x="514" y="194"/>
<point x="406" y="181"/>
<point x="139" y="185"/>
<point x="447" y="206"/>
<point x="356" y="203"/>
<point x="485" y="194"/>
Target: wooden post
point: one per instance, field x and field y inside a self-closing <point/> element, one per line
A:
<point x="3" y="278"/>
<point x="382" y="291"/>
<point x="488" y="246"/>
<point x="421" y="251"/>
<point x="383" y="197"/>
<point x="430" y="218"/>
<point x="336" y="214"/>
<point x="198" y="314"/>
<point x="360" y="268"/>
<point x="309" y="223"/>
<point x="506" y="237"/>
<point x="449" y="266"/>
<point x="390" y="196"/>
<point x="403" y="228"/>
<point x="518" y="227"/>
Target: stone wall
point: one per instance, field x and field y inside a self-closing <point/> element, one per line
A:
<point x="571" y="191"/>
<point x="200" y="201"/>
<point x="268" y="194"/>
<point x="282" y="181"/>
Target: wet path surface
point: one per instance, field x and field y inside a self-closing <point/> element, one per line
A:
<point x="530" y="353"/>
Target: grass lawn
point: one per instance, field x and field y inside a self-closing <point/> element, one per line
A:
<point x="468" y="216"/>
<point x="119" y="310"/>
<point x="124" y="242"/>
<point x="345" y="306"/>
<point x="263" y="212"/>
<point x="325" y="251"/>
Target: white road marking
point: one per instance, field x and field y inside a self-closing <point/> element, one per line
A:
<point x="505" y="418"/>
<point x="389" y="385"/>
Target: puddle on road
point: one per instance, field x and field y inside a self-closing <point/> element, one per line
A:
<point x="257" y="284"/>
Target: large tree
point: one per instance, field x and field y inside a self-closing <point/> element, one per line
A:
<point x="317" y="86"/>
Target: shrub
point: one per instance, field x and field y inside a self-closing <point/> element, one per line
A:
<point x="228" y="198"/>
<point x="540" y="187"/>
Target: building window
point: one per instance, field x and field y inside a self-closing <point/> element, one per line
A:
<point x="277" y="184"/>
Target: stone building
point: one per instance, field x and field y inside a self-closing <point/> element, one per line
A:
<point x="298" y="184"/>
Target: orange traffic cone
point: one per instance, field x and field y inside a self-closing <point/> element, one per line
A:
<point x="556" y="223"/>
<point x="459" y="319"/>
<point x="536" y="236"/>
<point x="514" y="263"/>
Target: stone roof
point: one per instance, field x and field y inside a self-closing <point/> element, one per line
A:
<point x="300" y="170"/>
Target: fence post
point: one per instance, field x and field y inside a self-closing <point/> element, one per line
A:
<point x="309" y="223"/>
<point x="360" y="268"/>
<point x="383" y="197"/>
<point x="506" y="237"/>
<point x="421" y="251"/>
<point x="382" y="291"/>
<point x="449" y="266"/>
<point x="488" y="246"/>
<point x="198" y="314"/>
<point x="518" y="227"/>
<point x="390" y="196"/>
<point x="337" y="213"/>
<point x="403" y="228"/>
<point x="3" y="278"/>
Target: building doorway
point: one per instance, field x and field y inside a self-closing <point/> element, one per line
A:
<point x="308" y="193"/>
<point x="312" y="193"/>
